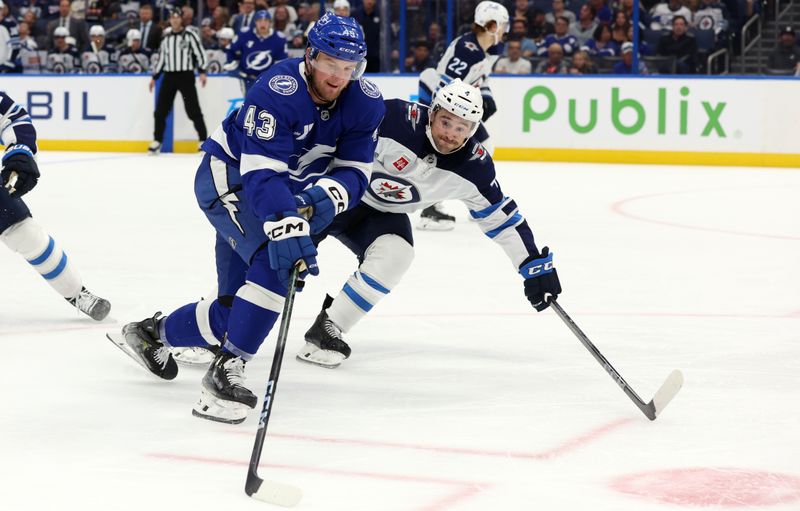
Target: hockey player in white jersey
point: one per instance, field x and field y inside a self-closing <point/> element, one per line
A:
<point x="19" y="173"/>
<point x="469" y="57"/>
<point x="424" y="155"/>
<point x="100" y="57"/>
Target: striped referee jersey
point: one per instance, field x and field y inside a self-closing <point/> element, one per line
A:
<point x="180" y="51"/>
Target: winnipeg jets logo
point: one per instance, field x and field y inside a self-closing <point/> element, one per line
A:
<point x="392" y="190"/>
<point x="259" y="60"/>
<point x="471" y="46"/>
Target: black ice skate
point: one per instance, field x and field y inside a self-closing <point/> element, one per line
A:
<point x="92" y="305"/>
<point x="142" y="343"/>
<point x="433" y="218"/>
<point x="324" y="344"/>
<point x="224" y="397"/>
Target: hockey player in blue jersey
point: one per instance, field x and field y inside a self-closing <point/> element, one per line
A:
<point x="19" y="173"/>
<point x="308" y="127"/>
<point x="255" y="51"/>
<point x="423" y="156"/>
<point x="469" y="57"/>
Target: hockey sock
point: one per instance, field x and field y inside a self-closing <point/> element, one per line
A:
<point x="254" y="312"/>
<point x="196" y="324"/>
<point x="30" y="240"/>
<point x="386" y="260"/>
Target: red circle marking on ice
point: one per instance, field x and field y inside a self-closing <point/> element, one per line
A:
<point x="730" y="487"/>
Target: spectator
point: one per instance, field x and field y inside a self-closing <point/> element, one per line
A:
<point x="187" y="15"/>
<point x="243" y="21"/>
<point x="522" y="10"/>
<point x="663" y="14"/>
<point x="582" y="64"/>
<point x="436" y="40"/>
<point x="30" y="58"/>
<point x="31" y="6"/>
<point x="539" y="28"/>
<point x="134" y="57"/>
<point x="75" y="27"/>
<point x="681" y="44"/>
<point x="341" y="8"/>
<point x="421" y="58"/>
<point x="621" y="19"/>
<point x="603" y="11"/>
<point x="208" y="38"/>
<point x="625" y="65"/>
<point x="554" y="65"/>
<point x="584" y="28"/>
<point x="514" y="64"/>
<point x="619" y="34"/>
<point x="220" y="18"/>
<point x="602" y="45"/>
<point x="296" y="46"/>
<point x="284" y="3"/>
<point x="151" y="31"/>
<point x="519" y="30"/>
<point x="787" y="55"/>
<point x="99" y="10"/>
<point x="208" y="11"/>
<point x="713" y="15"/>
<point x="559" y="10"/>
<point x="64" y="57"/>
<point x="281" y="22"/>
<point x="568" y="42"/>
<point x="369" y="19"/>
<point x="308" y="14"/>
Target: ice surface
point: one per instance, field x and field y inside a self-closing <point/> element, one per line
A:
<point x="458" y="395"/>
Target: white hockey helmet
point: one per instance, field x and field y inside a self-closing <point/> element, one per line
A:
<point x="487" y="11"/>
<point x="225" y="33"/>
<point x="460" y="99"/>
<point x="133" y="35"/>
<point x="97" y="30"/>
<point x="61" y="32"/>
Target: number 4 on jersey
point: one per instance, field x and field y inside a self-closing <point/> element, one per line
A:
<point x="267" y="129"/>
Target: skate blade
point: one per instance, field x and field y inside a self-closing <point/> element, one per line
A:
<point x="433" y="225"/>
<point x="328" y="359"/>
<point x="192" y="356"/>
<point x="119" y="341"/>
<point x="212" y="408"/>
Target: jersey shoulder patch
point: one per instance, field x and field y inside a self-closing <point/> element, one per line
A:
<point x="369" y="88"/>
<point x="284" y="85"/>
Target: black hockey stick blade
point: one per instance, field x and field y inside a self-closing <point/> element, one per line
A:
<point x="270" y="491"/>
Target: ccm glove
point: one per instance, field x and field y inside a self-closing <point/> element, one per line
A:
<point x="290" y="244"/>
<point x="541" y="280"/>
<point x="321" y="202"/>
<point x="20" y="172"/>
<point x="489" y="107"/>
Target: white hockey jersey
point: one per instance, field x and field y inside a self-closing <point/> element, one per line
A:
<point x="409" y="175"/>
<point x="662" y="15"/>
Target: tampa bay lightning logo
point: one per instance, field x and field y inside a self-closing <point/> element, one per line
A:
<point x="283" y="84"/>
<point x="392" y="189"/>
<point x="259" y="60"/>
<point x="369" y="88"/>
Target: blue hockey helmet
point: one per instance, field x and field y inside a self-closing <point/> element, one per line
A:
<point x="341" y="38"/>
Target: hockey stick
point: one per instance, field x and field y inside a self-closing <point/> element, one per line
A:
<point x="270" y="491"/>
<point x="662" y="397"/>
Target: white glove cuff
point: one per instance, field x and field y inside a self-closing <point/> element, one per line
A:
<point x="289" y="227"/>
<point x="337" y="193"/>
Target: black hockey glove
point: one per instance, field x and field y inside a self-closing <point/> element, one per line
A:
<point x="489" y="107"/>
<point x="541" y="279"/>
<point x="20" y="172"/>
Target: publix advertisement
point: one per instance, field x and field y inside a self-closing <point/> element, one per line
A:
<point x="612" y="119"/>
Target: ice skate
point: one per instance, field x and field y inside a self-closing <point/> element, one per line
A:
<point x="154" y="148"/>
<point x="92" y="305"/>
<point x="142" y="342"/>
<point x="433" y="218"/>
<point x="324" y="344"/>
<point x="194" y="355"/>
<point x="224" y="398"/>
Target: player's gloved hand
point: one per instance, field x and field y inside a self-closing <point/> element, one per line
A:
<point x="321" y="202"/>
<point x="290" y="243"/>
<point x="489" y="107"/>
<point x="20" y="172"/>
<point x="231" y="66"/>
<point x="541" y="279"/>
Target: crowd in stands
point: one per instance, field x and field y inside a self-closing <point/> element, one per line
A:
<point x="545" y="36"/>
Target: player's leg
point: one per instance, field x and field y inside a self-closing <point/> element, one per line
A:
<point x="164" y="101"/>
<point x="22" y="234"/>
<point x="192" y="104"/>
<point x="384" y="245"/>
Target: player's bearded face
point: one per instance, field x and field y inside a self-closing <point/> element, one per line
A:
<point x="449" y="131"/>
<point x="329" y="76"/>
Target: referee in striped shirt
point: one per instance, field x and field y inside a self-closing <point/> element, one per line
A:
<point x="181" y="53"/>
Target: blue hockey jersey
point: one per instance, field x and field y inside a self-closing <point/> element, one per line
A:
<point x="256" y="54"/>
<point x="15" y="124"/>
<point x="409" y="175"/>
<point x="279" y="132"/>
